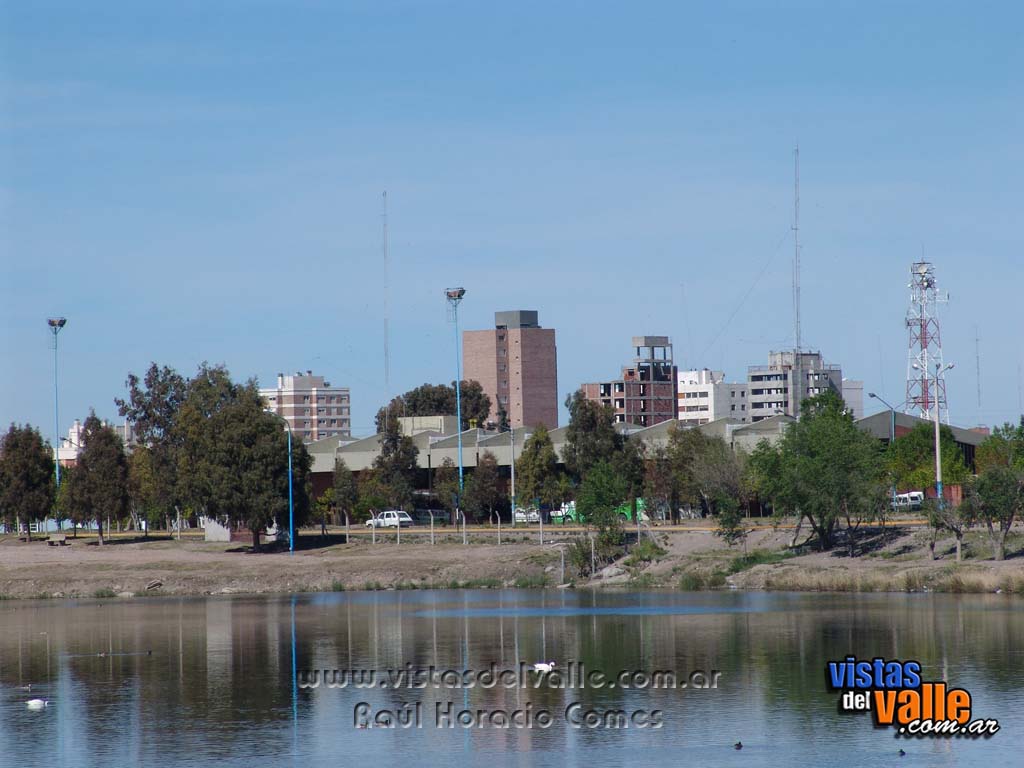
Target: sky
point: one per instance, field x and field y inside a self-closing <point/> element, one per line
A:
<point x="202" y="181"/>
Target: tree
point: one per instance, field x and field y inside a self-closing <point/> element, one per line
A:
<point x="660" y="482"/>
<point x="153" y="407"/>
<point x="145" y="488"/>
<point x="956" y="519"/>
<point x="323" y="507"/>
<point x="911" y="458"/>
<point x="396" y="466"/>
<point x="26" y="477"/>
<point x="537" y="470"/>
<point x="628" y="463"/>
<point x="439" y="400"/>
<point x="700" y="469"/>
<point x="997" y="497"/>
<point x="590" y="436"/>
<point x="346" y="493"/>
<point x="372" y="496"/>
<point x="1003" y="448"/>
<point x="483" y="493"/>
<point x="98" y="484"/>
<point x="730" y="521"/>
<point x="824" y="469"/>
<point x="234" y="456"/>
<point x="446" y="486"/>
<point x="597" y="502"/>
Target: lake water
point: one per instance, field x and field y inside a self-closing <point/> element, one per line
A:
<point x="189" y="682"/>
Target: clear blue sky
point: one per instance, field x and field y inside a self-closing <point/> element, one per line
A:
<point x="197" y="181"/>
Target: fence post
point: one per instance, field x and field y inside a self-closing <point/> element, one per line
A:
<point x="348" y="538"/>
<point x="593" y="562"/>
<point x="464" y="542"/>
<point x="540" y="517"/>
<point x="431" y="528"/>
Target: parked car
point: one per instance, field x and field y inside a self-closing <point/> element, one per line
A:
<point x="390" y="518"/>
<point x="908" y="501"/>
<point x="527" y="515"/>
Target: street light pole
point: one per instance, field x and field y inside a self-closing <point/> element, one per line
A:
<point x="939" y="370"/>
<point x="892" y="437"/>
<point x="56" y="323"/>
<point x="454" y="297"/>
<point x="291" y="502"/>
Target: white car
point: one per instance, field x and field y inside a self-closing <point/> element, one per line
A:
<point x="391" y="518"/>
<point x="527" y="516"/>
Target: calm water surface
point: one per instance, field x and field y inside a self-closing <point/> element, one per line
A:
<point x="167" y="682"/>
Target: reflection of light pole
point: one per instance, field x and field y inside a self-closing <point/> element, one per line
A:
<point x="291" y="507"/>
<point x="56" y="323"/>
<point x="454" y="297"/>
<point x="892" y="437"/>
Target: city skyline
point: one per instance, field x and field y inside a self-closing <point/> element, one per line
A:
<point x="639" y="184"/>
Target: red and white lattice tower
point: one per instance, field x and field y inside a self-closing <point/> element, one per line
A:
<point x="926" y="382"/>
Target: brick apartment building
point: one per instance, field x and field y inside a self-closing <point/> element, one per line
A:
<point x="645" y="393"/>
<point x="313" y="408"/>
<point x="516" y="363"/>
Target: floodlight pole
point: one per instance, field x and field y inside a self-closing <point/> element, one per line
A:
<point x="454" y="297"/>
<point x="939" y="370"/>
<point x="56" y="323"/>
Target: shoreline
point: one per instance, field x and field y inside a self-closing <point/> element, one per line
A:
<point x="893" y="560"/>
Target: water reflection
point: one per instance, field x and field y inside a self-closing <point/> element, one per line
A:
<point x="181" y="682"/>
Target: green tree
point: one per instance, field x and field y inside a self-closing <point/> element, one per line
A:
<point x="597" y="501"/>
<point x="396" y="466"/>
<point x="323" y="508"/>
<point x="997" y="498"/>
<point x="483" y="492"/>
<point x="234" y="458"/>
<point x="346" y="492"/>
<point x="26" y="478"/>
<point x="730" y="521"/>
<point x="153" y="406"/>
<point x="537" y="470"/>
<point x="372" y="496"/>
<point x="824" y="469"/>
<point x="98" y="484"/>
<point x="956" y="519"/>
<point x="911" y="458"/>
<point x="629" y="464"/>
<point x="590" y="436"/>
<point x="446" y="486"/>
<point x="439" y="400"/>
<point x="145" y="489"/>
<point x="1003" y="448"/>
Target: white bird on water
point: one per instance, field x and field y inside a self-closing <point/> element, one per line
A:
<point x="544" y="666"/>
<point x="37" y="703"/>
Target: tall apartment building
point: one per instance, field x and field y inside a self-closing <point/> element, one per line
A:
<point x="516" y="363"/>
<point x="313" y="408"/>
<point x="645" y="393"/>
<point x="704" y="395"/>
<point x="787" y="380"/>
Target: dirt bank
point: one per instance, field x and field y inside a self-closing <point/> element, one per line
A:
<point x="894" y="560"/>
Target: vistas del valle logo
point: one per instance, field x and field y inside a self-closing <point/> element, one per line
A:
<point x="897" y="697"/>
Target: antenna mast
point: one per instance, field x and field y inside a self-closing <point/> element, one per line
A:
<point x="796" y="246"/>
<point x="926" y="384"/>
<point x="387" y="347"/>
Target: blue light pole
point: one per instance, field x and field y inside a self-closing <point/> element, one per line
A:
<point x="56" y="323"/>
<point x="454" y="297"/>
<point x="291" y="505"/>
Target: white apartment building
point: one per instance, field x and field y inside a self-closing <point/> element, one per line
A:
<point x="704" y="395"/>
<point x="313" y="408"/>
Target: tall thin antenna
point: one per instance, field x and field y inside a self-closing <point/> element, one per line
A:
<point x="796" y="246"/>
<point x="1020" y="393"/>
<point x="387" y="334"/>
<point x="977" y="368"/>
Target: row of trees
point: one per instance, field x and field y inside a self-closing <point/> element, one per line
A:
<point x="206" y="447"/>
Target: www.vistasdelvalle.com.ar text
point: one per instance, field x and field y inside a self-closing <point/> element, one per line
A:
<point x="575" y="675"/>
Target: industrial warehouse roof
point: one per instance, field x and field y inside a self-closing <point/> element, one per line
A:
<point x="879" y="424"/>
